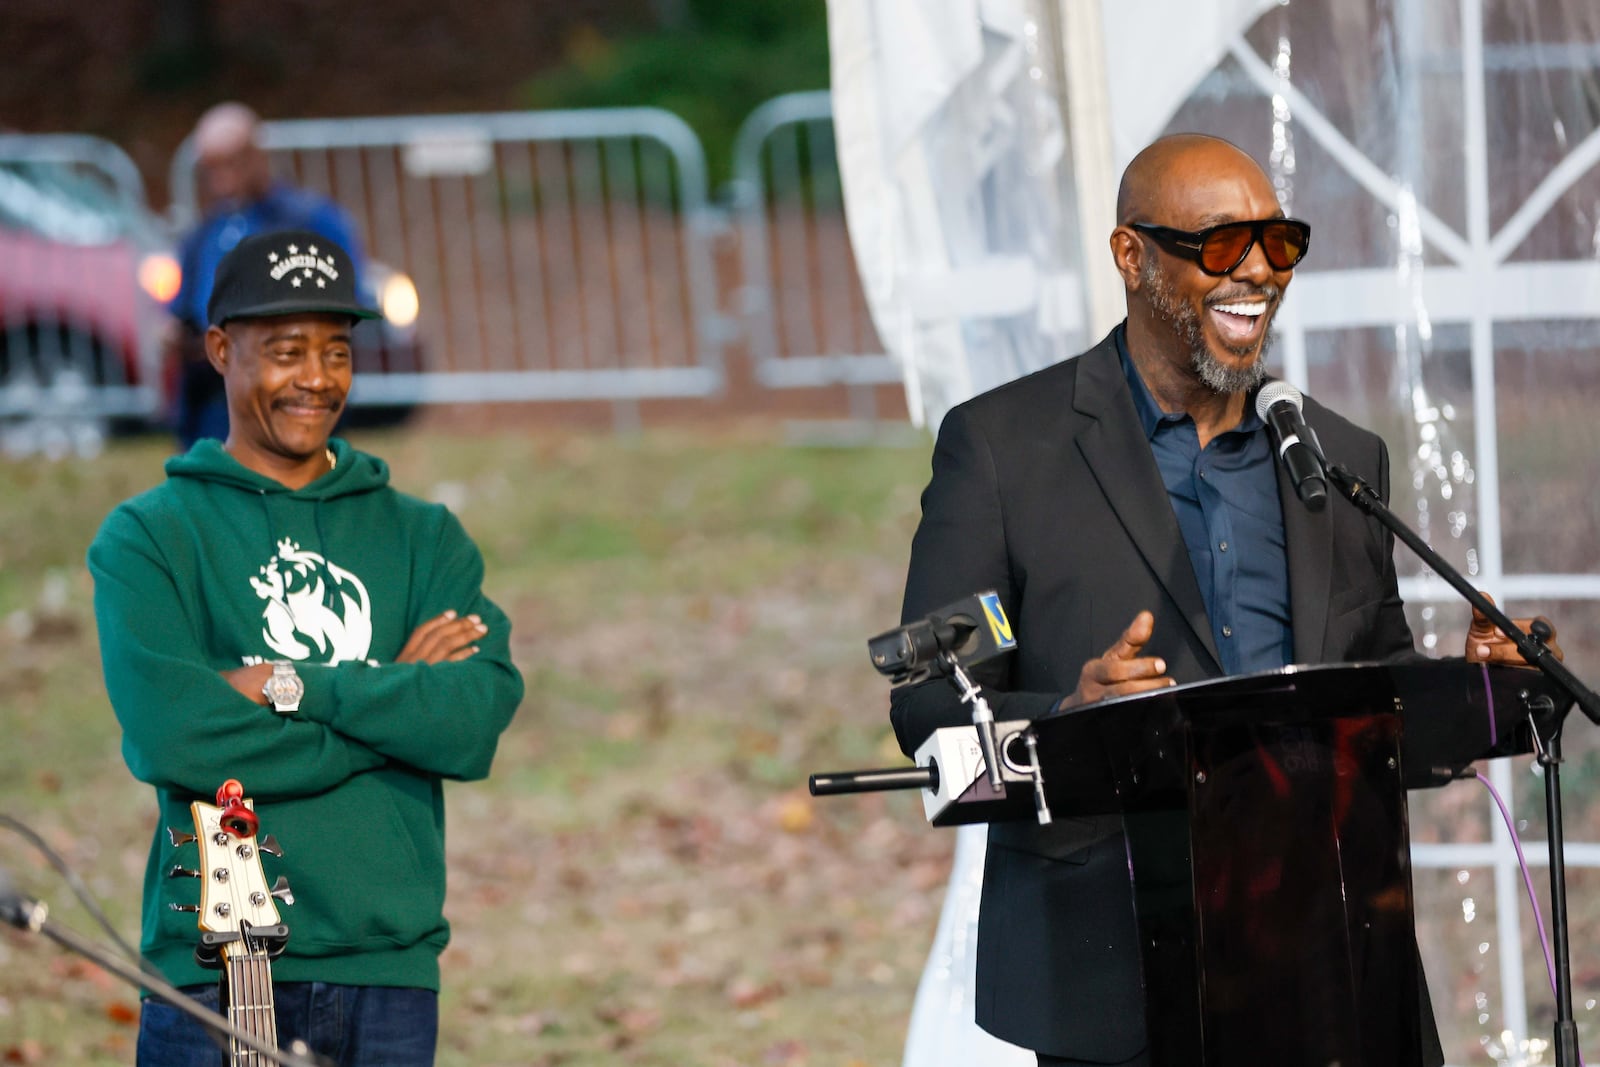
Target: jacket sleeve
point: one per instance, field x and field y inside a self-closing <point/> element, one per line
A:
<point x="1390" y="638"/>
<point x="184" y="728"/>
<point x="443" y="719"/>
<point x="960" y="549"/>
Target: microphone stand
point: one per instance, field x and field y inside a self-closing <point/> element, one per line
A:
<point x="982" y="717"/>
<point x="32" y="915"/>
<point x="1548" y="749"/>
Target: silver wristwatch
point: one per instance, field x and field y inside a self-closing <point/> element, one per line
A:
<point x="284" y="689"/>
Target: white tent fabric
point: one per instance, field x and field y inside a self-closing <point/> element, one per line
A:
<point x="950" y="147"/>
<point x="1149" y="72"/>
<point x="958" y="193"/>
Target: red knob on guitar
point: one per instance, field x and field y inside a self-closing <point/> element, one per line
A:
<point x="237" y="819"/>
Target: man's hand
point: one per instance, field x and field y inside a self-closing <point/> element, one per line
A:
<point x="249" y="681"/>
<point x="443" y="639"/>
<point x="1121" y="670"/>
<point x="1486" y="644"/>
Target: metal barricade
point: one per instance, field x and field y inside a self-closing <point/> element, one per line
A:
<point x="801" y="301"/>
<point x="557" y="255"/>
<point x="83" y="266"/>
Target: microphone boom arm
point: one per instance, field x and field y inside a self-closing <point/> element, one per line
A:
<point x="1532" y="646"/>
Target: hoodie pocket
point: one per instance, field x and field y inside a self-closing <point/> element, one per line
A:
<point x="359" y="869"/>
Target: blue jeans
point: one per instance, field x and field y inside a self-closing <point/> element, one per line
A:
<point x="353" y="1026"/>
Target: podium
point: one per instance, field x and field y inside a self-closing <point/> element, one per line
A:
<point x="1268" y="844"/>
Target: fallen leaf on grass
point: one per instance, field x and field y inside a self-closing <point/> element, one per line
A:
<point x="748" y="993"/>
<point x="815" y="977"/>
<point x="634" y="1020"/>
<point x="119" y="1012"/>
<point x="790" y="1053"/>
<point x="28" y="1051"/>
<point x="796" y="815"/>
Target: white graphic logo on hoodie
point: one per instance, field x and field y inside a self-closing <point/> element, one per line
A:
<point x="313" y="606"/>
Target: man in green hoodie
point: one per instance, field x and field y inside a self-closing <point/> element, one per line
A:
<point x="276" y="613"/>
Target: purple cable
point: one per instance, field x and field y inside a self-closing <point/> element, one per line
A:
<point x="1527" y="878"/>
<point x="1488" y="691"/>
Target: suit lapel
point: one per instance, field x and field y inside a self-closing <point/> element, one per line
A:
<point x="1308" y="543"/>
<point x="1115" y="448"/>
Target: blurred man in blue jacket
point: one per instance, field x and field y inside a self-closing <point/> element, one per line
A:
<point x="238" y="197"/>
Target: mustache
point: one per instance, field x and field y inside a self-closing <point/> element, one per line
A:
<point x="1272" y="293"/>
<point x="307" y="400"/>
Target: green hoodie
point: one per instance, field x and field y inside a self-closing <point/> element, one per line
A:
<point x="220" y="567"/>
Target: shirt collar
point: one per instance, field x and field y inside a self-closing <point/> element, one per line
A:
<point x="1151" y="417"/>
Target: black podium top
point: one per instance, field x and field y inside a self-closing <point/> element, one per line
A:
<point x="1123" y="753"/>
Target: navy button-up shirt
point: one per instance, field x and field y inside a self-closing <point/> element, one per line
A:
<point x="1226" y="499"/>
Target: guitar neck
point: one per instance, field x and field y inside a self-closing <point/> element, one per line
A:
<point x="250" y="1006"/>
<point x="240" y="928"/>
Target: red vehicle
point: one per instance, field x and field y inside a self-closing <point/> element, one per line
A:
<point x="84" y="274"/>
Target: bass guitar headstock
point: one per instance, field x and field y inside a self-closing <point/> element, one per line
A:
<point x="237" y="914"/>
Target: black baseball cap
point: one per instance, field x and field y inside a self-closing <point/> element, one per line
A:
<point x="285" y="272"/>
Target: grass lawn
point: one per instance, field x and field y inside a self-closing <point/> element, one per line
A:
<point x="643" y="879"/>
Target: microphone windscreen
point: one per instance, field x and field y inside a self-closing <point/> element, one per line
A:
<point x="1276" y="392"/>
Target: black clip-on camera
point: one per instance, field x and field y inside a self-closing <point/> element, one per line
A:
<point x="969" y="631"/>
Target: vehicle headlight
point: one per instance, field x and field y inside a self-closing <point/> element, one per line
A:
<point x="160" y="276"/>
<point x="398" y="298"/>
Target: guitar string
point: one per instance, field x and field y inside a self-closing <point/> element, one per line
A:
<point x="249" y="975"/>
<point x="263" y="1024"/>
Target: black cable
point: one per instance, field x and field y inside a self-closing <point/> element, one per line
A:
<point x="79" y="889"/>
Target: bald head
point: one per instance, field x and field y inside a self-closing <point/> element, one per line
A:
<point x="225" y="128"/>
<point x="1147" y="184"/>
<point x="233" y="169"/>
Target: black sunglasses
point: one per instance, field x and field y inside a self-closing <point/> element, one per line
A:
<point x="1220" y="249"/>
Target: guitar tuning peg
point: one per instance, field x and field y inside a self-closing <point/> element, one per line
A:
<point x="179" y="837"/>
<point x="270" y="846"/>
<point x="281" y="890"/>
<point x="180" y="871"/>
<point x="193" y="908"/>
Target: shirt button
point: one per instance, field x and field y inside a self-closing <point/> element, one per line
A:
<point x="1227" y="631"/>
<point x="1223" y="546"/>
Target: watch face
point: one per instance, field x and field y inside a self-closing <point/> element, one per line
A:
<point x="285" y="687"/>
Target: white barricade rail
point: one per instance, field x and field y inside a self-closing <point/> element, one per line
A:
<point x="82" y="265"/>
<point x="801" y="301"/>
<point x="557" y="255"/>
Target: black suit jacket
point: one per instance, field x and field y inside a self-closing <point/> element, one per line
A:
<point x="1045" y="490"/>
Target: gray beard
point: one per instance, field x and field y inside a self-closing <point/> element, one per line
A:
<point x="1186" y="326"/>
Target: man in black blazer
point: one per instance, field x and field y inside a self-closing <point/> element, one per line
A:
<point x="1127" y="506"/>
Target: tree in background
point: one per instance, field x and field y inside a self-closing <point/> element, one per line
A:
<point x="710" y="62"/>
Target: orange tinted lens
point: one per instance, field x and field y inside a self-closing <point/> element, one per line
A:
<point x="1283" y="243"/>
<point x="1225" y="247"/>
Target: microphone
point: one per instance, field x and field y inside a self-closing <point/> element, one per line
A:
<point x="971" y="630"/>
<point x="16" y="909"/>
<point x="1278" y="404"/>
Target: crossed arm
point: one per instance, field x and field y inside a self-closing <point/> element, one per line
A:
<point x="445" y="638"/>
<point x="438" y="708"/>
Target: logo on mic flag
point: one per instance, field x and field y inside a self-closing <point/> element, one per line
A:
<point x="999" y="625"/>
